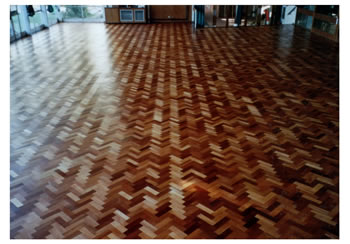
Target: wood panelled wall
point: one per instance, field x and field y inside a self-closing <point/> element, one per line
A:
<point x="170" y="13"/>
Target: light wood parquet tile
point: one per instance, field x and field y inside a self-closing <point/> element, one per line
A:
<point x="157" y="131"/>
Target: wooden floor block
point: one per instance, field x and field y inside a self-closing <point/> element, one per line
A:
<point x="160" y="131"/>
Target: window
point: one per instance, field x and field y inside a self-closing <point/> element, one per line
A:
<point x="52" y="16"/>
<point x="83" y="13"/>
<point x="35" y="21"/>
<point x="304" y="21"/>
<point x="72" y="12"/>
<point x="36" y="8"/>
<point x="94" y="12"/>
<point x="16" y="29"/>
<point x="12" y="33"/>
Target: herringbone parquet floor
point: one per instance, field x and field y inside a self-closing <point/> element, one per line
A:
<point x="156" y="131"/>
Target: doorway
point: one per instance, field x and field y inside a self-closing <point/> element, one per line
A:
<point x="239" y="15"/>
<point x="219" y="15"/>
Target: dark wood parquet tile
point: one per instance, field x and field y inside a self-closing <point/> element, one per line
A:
<point x="156" y="131"/>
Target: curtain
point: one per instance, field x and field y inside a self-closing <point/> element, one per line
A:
<point x="200" y="15"/>
<point x="238" y="15"/>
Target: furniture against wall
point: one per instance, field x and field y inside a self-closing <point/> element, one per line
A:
<point x="322" y="20"/>
<point x="170" y="13"/>
<point x="112" y="15"/>
<point x="123" y="14"/>
<point x="126" y="15"/>
<point x="139" y="15"/>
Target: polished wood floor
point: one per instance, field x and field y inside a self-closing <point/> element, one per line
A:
<point x="157" y="131"/>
